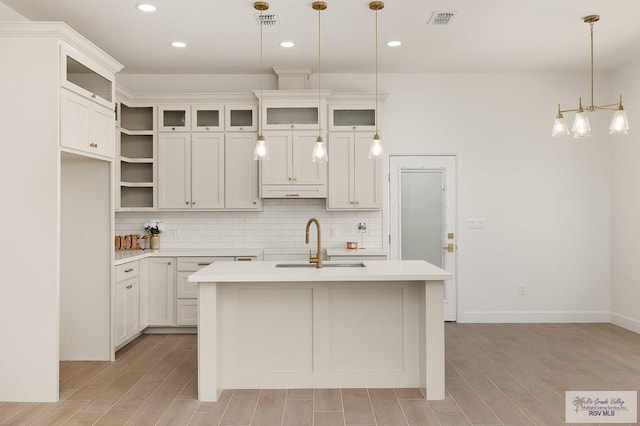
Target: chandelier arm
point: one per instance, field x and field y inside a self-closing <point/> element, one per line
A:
<point x="570" y="110"/>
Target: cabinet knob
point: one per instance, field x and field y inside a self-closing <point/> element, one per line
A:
<point x="354" y="127"/>
<point x="240" y="128"/>
<point x="350" y="202"/>
<point x="169" y="263"/>
<point x="254" y="203"/>
<point x="290" y="178"/>
<point x="193" y="203"/>
<point x="93" y="145"/>
<point x="357" y="202"/>
<point x="207" y="128"/>
<point x="130" y="286"/>
<point x="295" y="178"/>
<point x="292" y="126"/>
<point x="93" y="95"/>
<point x="186" y="202"/>
<point x="173" y="128"/>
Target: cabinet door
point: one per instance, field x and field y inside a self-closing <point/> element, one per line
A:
<point x="241" y="118"/>
<point x="162" y="280"/>
<point x="187" y="312"/>
<point x="305" y="171"/>
<point x="132" y="308"/>
<point x="143" y="280"/>
<point x="86" y="77"/>
<point x="241" y="172"/>
<point x="174" y="118"/>
<point x="340" y="179"/>
<point x="207" y="171"/>
<point x="277" y="170"/>
<point x="174" y="171"/>
<point x="367" y="175"/>
<point x="121" y="307"/>
<point x="207" y="118"/>
<point x="86" y="126"/>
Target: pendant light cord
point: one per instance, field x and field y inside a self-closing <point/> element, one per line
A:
<point x="319" y="74"/>
<point x="261" y="69"/>
<point x="592" y="108"/>
<point x="376" y="105"/>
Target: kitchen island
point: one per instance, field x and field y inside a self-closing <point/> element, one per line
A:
<point x="291" y="325"/>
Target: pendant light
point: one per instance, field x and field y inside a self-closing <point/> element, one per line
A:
<point x="375" y="149"/>
<point x="261" y="151"/>
<point x="581" y="127"/>
<point x="319" y="149"/>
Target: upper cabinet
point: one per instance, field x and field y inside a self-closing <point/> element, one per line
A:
<point x="241" y="118"/>
<point x="301" y="117"/>
<point x="207" y="118"/>
<point x="86" y="77"/>
<point x="174" y="118"/>
<point x="352" y="117"/>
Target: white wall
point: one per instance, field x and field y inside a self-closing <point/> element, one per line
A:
<point x="625" y="205"/>
<point x="545" y="201"/>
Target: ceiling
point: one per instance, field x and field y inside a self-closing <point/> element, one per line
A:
<point x="223" y="36"/>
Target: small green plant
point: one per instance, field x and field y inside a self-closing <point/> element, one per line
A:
<point x="154" y="226"/>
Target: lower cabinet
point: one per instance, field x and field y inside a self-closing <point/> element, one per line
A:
<point x="186" y="292"/>
<point x="162" y="282"/>
<point x="127" y="301"/>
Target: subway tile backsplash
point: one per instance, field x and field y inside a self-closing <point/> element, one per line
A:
<point x="280" y="225"/>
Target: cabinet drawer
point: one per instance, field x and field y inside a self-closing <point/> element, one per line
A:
<point x="127" y="271"/>
<point x="196" y="263"/>
<point x="293" y="191"/>
<point x="187" y="312"/>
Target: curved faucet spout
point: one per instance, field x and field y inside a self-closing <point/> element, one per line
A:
<point x="318" y="259"/>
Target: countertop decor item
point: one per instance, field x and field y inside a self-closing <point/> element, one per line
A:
<point x="352" y="244"/>
<point x="154" y="226"/>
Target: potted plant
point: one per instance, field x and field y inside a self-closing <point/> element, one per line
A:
<point x="154" y="227"/>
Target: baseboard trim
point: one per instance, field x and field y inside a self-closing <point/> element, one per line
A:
<point x="170" y="330"/>
<point x="625" y="322"/>
<point x="534" y="316"/>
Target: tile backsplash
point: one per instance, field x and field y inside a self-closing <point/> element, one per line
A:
<point x="280" y="225"/>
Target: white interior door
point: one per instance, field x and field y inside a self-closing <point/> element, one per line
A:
<point x="422" y="214"/>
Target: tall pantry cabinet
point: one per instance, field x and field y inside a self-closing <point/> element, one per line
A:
<point x="58" y="148"/>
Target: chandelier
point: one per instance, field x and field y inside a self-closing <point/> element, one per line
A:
<point x="581" y="127"/>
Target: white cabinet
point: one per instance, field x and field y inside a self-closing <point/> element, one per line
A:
<point x="191" y="171"/>
<point x="290" y="172"/>
<point x="186" y="292"/>
<point x="127" y="303"/>
<point x="143" y="279"/>
<point x="207" y="118"/>
<point x="355" y="181"/>
<point x="350" y="117"/>
<point x="174" y="118"/>
<point x="241" y="172"/>
<point x="282" y="116"/>
<point x="241" y="118"/>
<point x="162" y="282"/>
<point x="86" y="125"/>
<point x="86" y="77"/>
<point x="136" y="149"/>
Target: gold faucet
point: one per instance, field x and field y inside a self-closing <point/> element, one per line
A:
<point x="318" y="259"/>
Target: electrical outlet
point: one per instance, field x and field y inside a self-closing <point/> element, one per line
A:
<point x="523" y="290"/>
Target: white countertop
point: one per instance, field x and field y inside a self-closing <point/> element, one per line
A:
<point x="131" y="255"/>
<point x="375" y="270"/>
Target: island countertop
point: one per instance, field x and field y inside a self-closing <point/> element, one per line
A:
<point x="374" y="270"/>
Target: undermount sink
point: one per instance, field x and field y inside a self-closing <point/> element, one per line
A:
<point x="324" y="265"/>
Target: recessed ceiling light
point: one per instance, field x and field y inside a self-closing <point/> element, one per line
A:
<point x="178" y="44"/>
<point x="146" y="7"/>
<point x="394" y="43"/>
<point x="287" y="44"/>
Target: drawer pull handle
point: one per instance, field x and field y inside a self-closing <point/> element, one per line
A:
<point x="93" y="145"/>
<point x="128" y="270"/>
<point x="205" y="264"/>
<point x="130" y="286"/>
<point x="292" y="195"/>
<point x="244" y="258"/>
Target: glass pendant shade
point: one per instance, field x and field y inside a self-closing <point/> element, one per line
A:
<point x="560" y="127"/>
<point x="376" y="149"/>
<point x="319" y="151"/>
<point x="619" y="124"/>
<point x="581" y="127"/>
<point x="261" y="151"/>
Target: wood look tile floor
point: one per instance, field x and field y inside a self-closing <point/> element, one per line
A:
<point x="496" y="374"/>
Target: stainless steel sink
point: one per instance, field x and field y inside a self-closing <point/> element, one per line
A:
<point x="324" y="265"/>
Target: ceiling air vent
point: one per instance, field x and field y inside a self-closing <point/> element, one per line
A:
<point x="267" y="20"/>
<point x="441" y="18"/>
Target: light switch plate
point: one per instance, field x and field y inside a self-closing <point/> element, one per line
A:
<point x="475" y="223"/>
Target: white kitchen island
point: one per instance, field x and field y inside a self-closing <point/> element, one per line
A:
<point x="263" y="326"/>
